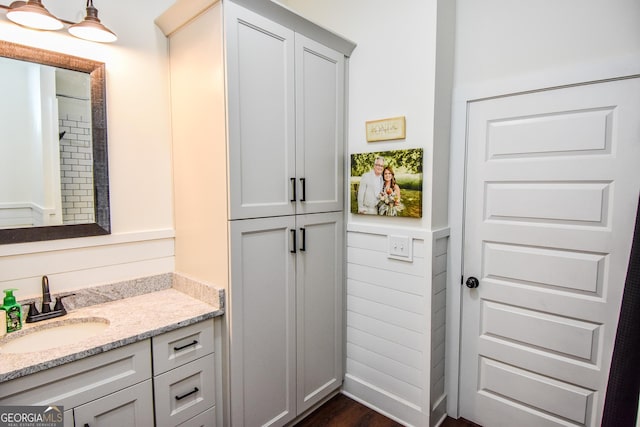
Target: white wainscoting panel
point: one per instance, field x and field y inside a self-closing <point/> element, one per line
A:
<point x="74" y="264"/>
<point x="438" y="395"/>
<point x="395" y="324"/>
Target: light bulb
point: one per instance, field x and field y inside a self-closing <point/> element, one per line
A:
<point x="91" y="28"/>
<point x="33" y="14"/>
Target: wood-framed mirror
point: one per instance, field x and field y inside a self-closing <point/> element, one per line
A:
<point x="53" y="146"/>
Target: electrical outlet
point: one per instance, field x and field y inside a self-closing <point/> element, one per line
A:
<point x="399" y="247"/>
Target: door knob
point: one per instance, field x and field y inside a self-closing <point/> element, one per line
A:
<point x="472" y="282"/>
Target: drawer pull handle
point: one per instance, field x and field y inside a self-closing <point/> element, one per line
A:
<point x="182" y="347"/>
<point x="195" y="390"/>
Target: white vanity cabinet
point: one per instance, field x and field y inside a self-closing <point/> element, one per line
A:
<point x="98" y="389"/>
<point x="119" y="387"/>
<point x="258" y="111"/>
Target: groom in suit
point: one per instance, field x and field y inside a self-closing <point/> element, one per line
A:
<point x="370" y="187"/>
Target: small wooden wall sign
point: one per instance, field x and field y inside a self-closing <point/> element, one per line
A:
<point x="386" y="129"/>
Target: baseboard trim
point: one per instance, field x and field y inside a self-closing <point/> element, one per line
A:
<point x="387" y="404"/>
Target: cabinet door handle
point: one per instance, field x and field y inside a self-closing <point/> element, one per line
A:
<point x="304" y="239"/>
<point x="293" y="241"/>
<point x="195" y="390"/>
<point x="182" y="347"/>
<point x="293" y="189"/>
<point x="303" y="181"/>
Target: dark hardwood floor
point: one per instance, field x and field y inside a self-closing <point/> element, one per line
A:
<point x="460" y="422"/>
<point x="341" y="411"/>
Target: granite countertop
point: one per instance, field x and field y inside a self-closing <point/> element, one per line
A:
<point x="130" y="319"/>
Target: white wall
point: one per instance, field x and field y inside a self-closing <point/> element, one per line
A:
<point x="139" y="154"/>
<point x="502" y="39"/>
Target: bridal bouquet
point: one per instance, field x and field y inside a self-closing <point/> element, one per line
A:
<point x="388" y="203"/>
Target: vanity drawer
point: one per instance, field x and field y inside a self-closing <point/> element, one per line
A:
<point x="184" y="392"/>
<point x="181" y="346"/>
<point x="84" y="380"/>
<point x="205" y="419"/>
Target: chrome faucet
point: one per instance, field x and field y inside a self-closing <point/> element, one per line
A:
<point x="46" y="313"/>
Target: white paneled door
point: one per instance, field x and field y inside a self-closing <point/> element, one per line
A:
<point x="551" y="193"/>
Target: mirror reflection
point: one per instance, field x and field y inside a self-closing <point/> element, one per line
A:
<point x="53" y="151"/>
<point x="46" y="160"/>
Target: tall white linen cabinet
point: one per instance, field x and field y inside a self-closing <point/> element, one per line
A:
<point x="258" y="112"/>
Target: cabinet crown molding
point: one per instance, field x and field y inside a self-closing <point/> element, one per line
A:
<point x="183" y="11"/>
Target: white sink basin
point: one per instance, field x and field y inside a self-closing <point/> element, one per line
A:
<point x="53" y="335"/>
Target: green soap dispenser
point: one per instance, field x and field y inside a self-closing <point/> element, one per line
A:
<point x="13" y="311"/>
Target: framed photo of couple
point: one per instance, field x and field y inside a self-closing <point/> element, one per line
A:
<point x="387" y="183"/>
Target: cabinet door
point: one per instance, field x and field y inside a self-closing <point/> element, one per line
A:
<point x="68" y="418"/>
<point x="261" y="120"/>
<point x="319" y="127"/>
<point x="319" y="295"/>
<point x="131" y="407"/>
<point x="262" y="316"/>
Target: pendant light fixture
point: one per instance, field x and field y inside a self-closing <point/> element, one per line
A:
<point x="33" y="14"/>
<point x="91" y="28"/>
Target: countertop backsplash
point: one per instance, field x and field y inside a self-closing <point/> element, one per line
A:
<point x="100" y="294"/>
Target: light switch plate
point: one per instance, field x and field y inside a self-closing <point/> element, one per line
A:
<point x="399" y="247"/>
